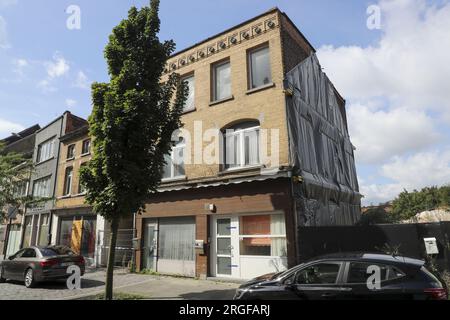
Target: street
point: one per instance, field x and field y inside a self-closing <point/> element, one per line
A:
<point x="149" y="286"/>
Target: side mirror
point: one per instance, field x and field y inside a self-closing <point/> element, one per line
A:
<point x="11" y="257"/>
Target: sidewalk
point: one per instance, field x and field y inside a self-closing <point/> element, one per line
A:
<point x="147" y="286"/>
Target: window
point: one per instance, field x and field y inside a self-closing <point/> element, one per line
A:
<point x="174" y="167"/>
<point x="27" y="231"/>
<point x="242" y="146"/>
<point x="45" y="151"/>
<point x="86" y="147"/>
<point x="81" y="188"/>
<point x="222" y="81"/>
<point x="43" y="230"/>
<point x="189" y="105"/>
<point x="260" y="73"/>
<point x="29" y="253"/>
<point x="68" y="181"/>
<point x="71" y="151"/>
<point x="358" y="272"/>
<point x="41" y="188"/>
<point x="20" y="189"/>
<point x="263" y="235"/>
<point x="323" y="273"/>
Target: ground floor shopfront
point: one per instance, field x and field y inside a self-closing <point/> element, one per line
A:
<point x="235" y="231"/>
<point x="77" y="228"/>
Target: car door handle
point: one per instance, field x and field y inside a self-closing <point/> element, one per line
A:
<point x="329" y="295"/>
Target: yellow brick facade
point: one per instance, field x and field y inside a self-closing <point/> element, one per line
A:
<point x="74" y="199"/>
<point x="267" y="105"/>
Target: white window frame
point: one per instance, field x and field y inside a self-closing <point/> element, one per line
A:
<point x="82" y="147"/>
<point x="72" y="156"/>
<point x="187" y="108"/>
<point x="68" y="180"/>
<point x="250" y="64"/>
<point x="179" y="145"/>
<point x="49" y="154"/>
<point x="38" y="183"/>
<point x="241" y="134"/>
<point x="214" y="74"/>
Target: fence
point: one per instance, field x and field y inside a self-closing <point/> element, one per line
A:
<point x="406" y="239"/>
<point x="124" y="247"/>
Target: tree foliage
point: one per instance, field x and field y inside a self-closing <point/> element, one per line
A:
<point x="132" y="121"/>
<point x="14" y="169"/>
<point x="376" y="215"/>
<point x="133" y="117"/>
<point x="408" y="204"/>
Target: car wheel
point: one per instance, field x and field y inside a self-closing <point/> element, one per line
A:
<point x="29" y="278"/>
<point x="2" y="280"/>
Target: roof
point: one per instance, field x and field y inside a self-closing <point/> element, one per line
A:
<point x="368" y="256"/>
<point x="272" y="10"/>
<point x="22" y="134"/>
<point x="81" y="131"/>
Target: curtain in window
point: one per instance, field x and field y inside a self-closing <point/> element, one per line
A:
<point x="232" y="150"/>
<point x="189" y="105"/>
<point x="223" y="81"/>
<point x="260" y="62"/>
<point x="167" y="173"/>
<point x="43" y="230"/>
<point x="251" y="147"/>
<point x="176" y="239"/>
<point x="178" y="161"/>
<point x="278" y="227"/>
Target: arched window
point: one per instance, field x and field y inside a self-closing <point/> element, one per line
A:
<point x="242" y="147"/>
<point x="174" y="167"/>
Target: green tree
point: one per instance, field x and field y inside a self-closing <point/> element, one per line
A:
<point x="377" y="215"/>
<point x="14" y="170"/>
<point x="131" y="125"/>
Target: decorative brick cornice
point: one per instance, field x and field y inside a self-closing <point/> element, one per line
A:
<point x="220" y="44"/>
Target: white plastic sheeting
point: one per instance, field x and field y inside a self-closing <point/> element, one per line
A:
<point x="320" y="149"/>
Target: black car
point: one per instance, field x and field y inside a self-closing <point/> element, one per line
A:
<point x="349" y="277"/>
<point x="38" y="264"/>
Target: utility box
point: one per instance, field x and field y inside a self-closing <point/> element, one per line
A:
<point x="431" y="245"/>
<point x="199" y="247"/>
<point x="136" y="243"/>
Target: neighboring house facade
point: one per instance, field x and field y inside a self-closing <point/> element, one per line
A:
<point x="23" y="143"/>
<point x="74" y="224"/>
<point x="36" y="229"/>
<point x="237" y="217"/>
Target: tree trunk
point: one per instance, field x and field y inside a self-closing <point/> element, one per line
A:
<point x="111" y="256"/>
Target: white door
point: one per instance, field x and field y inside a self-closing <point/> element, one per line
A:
<point x="247" y="246"/>
<point x="149" y="249"/>
<point x="226" y="247"/>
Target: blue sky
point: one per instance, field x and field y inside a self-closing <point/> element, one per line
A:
<point x="46" y="68"/>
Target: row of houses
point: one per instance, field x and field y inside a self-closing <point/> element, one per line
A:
<point x="237" y="218"/>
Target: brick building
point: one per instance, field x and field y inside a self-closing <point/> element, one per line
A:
<point x="237" y="217"/>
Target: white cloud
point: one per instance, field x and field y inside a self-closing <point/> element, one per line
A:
<point x="82" y="81"/>
<point x="4" y="44"/>
<point x="70" y="103"/>
<point x="379" y="134"/>
<point x="399" y="97"/>
<point x="7" y="127"/>
<point x="46" y="86"/>
<point x="413" y="172"/>
<point x="19" y="65"/>
<point x="6" y="3"/>
<point x="409" y="65"/>
<point x="58" y="67"/>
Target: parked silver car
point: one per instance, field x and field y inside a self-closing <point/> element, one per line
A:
<point x="38" y="264"/>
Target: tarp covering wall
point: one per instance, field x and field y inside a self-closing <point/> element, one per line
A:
<point x="320" y="149"/>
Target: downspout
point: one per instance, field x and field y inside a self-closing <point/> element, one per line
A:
<point x="50" y="223"/>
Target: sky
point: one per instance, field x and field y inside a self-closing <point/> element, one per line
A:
<point x="395" y="77"/>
